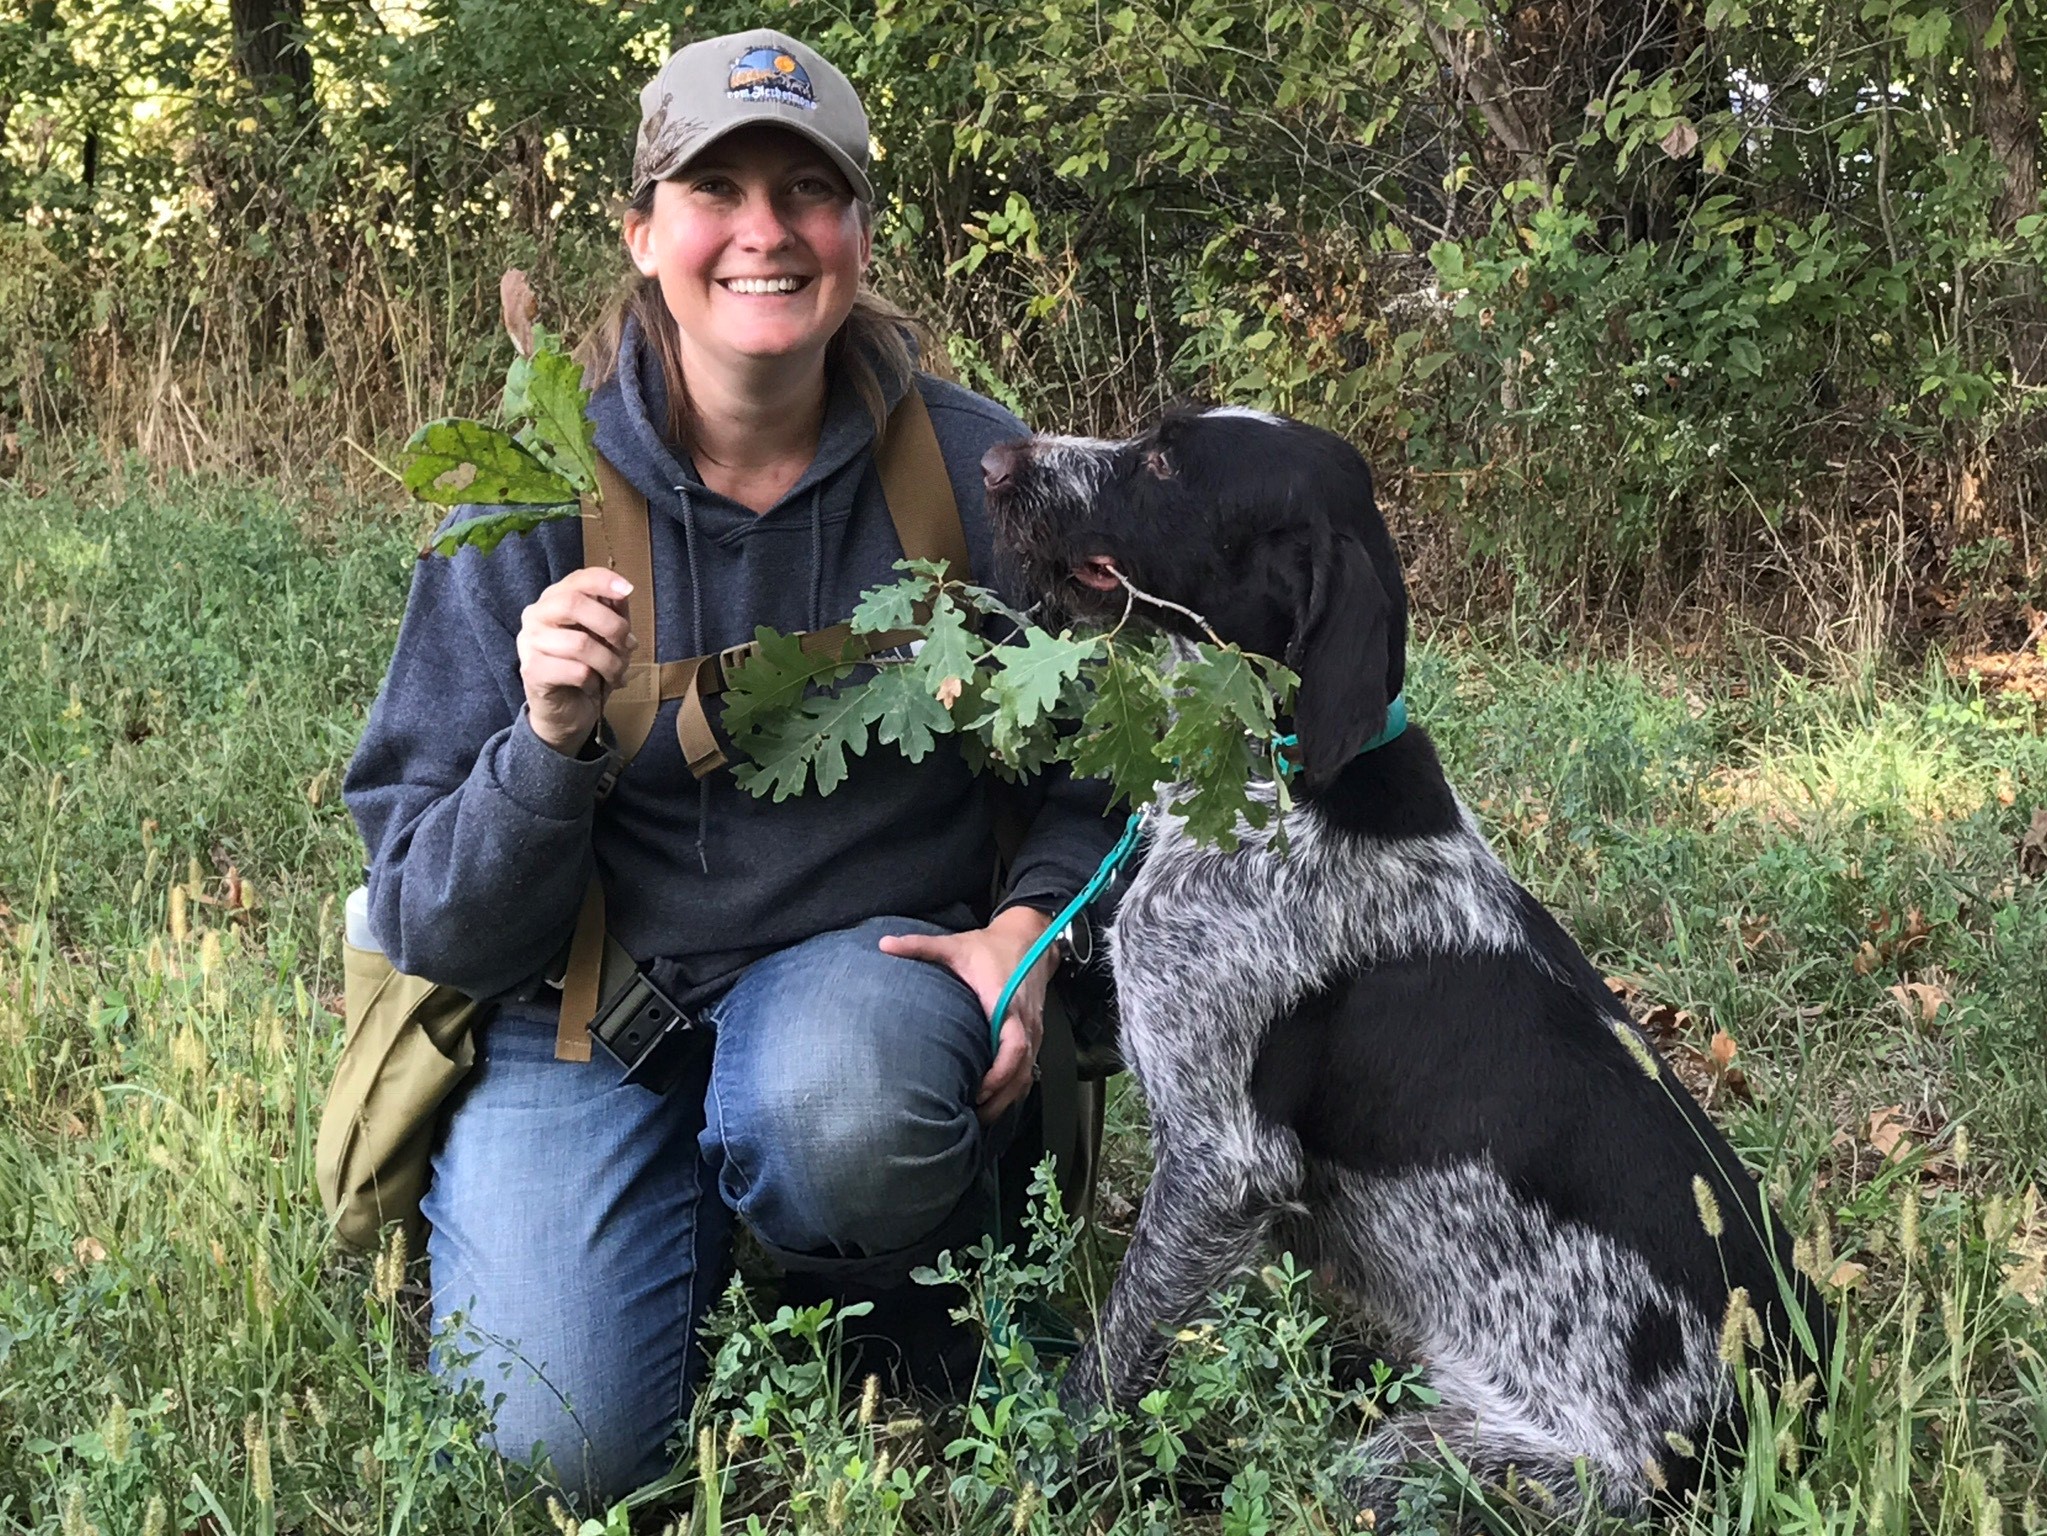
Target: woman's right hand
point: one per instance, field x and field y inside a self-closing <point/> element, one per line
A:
<point x="573" y="647"/>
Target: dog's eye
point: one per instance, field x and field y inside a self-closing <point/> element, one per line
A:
<point x="1157" y="466"/>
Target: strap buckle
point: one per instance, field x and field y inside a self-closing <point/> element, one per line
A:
<point x="734" y="656"/>
<point x="646" y="1033"/>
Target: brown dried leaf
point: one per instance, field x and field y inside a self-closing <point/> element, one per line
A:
<point x="1682" y="139"/>
<point x="1866" y="958"/>
<point x="949" y="691"/>
<point x="521" y="309"/>
<point x="1921" y="1000"/>
<point x="1846" y="1273"/>
<point x="1886" y="1132"/>
<point x="89" y="1250"/>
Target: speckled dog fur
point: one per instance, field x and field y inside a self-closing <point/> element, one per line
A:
<point x="1375" y="1048"/>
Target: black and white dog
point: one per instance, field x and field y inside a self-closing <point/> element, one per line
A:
<point x="1375" y="1048"/>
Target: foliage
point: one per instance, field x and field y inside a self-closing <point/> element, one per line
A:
<point x="1133" y="711"/>
<point x="1624" y="301"/>
<point x="529" y="471"/>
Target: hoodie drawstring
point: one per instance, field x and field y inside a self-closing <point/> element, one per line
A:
<point x="817" y="556"/>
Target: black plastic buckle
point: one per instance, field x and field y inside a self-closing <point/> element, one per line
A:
<point x="648" y="1035"/>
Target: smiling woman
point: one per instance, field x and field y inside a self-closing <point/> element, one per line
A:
<point x="844" y="954"/>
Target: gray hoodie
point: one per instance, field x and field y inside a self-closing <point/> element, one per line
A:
<point x="481" y="838"/>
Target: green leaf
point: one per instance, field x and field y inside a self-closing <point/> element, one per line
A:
<point x="558" y="404"/>
<point x="906" y="716"/>
<point x="483" y="534"/>
<point x="453" y="462"/>
<point x="814" y="737"/>
<point x="950" y="644"/>
<point x="1032" y="676"/>
<point x="891" y="607"/>
<point x="775" y="678"/>
<point x="1121" y="729"/>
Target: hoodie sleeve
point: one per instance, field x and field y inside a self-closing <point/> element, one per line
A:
<point x="1070" y="826"/>
<point x="477" y="833"/>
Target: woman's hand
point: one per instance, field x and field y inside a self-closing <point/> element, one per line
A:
<point x="984" y="958"/>
<point x="573" y="646"/>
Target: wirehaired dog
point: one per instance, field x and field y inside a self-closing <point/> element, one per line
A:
<point x="1373" y="1046"/>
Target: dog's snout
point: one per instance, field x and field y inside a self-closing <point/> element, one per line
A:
<point x="999" y="464"/>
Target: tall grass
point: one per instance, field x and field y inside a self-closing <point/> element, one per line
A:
<point x="1825" y="867"/>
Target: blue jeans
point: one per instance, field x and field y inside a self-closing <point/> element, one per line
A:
<point x="581" y="1227"/>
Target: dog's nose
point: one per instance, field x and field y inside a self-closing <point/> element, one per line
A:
<point x="998" y="464"/>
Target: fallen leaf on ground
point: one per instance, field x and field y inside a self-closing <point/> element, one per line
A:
<point x="1846" y="1273"/>
<point x="1921" y="1000"/>
<point x="1886" y="1132"/>
<point x="89" y="1250"/>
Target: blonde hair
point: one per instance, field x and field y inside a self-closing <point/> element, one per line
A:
<point x="877" y="350"/>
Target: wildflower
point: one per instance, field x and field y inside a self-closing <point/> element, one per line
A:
<point x="1733" y="1326"/>
<point x="1709" y="1208"/>
<point x="870" y="1398"/>
<point x="257" y="1443"/>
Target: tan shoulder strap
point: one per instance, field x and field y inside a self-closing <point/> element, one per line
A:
<point x="919" y="489"/>
<point x="616" y="534"/>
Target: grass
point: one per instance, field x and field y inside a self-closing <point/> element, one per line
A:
<point x="1826" y="869"/>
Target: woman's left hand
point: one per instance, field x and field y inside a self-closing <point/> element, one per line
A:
<point x="984" y="958"/>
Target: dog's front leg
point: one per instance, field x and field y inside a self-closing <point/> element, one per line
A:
<point x="1202" y="1221"/>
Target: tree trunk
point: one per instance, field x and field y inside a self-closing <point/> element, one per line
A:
<point x="2010" y="124"/>
<point x="1474" y="62"/>
<point x="270" y="47"/>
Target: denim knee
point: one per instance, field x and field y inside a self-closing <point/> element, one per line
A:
<point x="841" y="1112"/>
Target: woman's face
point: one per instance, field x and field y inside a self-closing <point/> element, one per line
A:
<point x="759" y="247"/>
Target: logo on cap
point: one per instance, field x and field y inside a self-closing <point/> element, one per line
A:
<point x="769" y="74"/>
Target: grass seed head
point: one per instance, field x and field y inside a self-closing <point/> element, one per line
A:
<point x="1709" y="1207"/>
<point x="835" y="1505"/>
<point x="71" y="1519"/>
<point x="1680" y="1444"/>
<point x="1961" y="1147"/>
<point x="870" y="1399"/>
<point x="257" y="1443"/>
<point x="1637" y="1047"/>
<point x="260" y="1292"/>
<point x="564" y="1522"/>
<point x="156" y="1519"/>
<point x="179" y="931"/>
<point x="1789" y="1450"/>
<point x="1027" y="1505"/>
<point x="1908" y="1224"/>
<point x="116" y="1434"/>
<point x="1652" y="1470"/>
<point x="1734" y="1327"/>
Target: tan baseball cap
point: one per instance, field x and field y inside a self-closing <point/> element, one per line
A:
<point x="708" y="89"/>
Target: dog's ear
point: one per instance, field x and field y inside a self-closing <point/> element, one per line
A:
<point x="1340" y="650"/>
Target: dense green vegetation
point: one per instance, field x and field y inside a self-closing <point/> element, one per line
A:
<point x="1839" y="870"/>
<point x="1629" y="303"/>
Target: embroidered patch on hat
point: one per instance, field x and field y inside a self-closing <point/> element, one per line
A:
<point x="769" y="74"/>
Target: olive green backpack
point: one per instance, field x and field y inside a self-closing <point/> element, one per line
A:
<point x="409" y="1041"/>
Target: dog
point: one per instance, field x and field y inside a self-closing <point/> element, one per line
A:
<point x="1372" y="1046"/>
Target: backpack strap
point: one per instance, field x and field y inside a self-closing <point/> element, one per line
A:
<point x="615" y="533"/>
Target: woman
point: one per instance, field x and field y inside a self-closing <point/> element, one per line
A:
<point x="852" y="1106"/>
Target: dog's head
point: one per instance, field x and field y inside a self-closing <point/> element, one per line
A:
<point x="1264" y="527"/>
